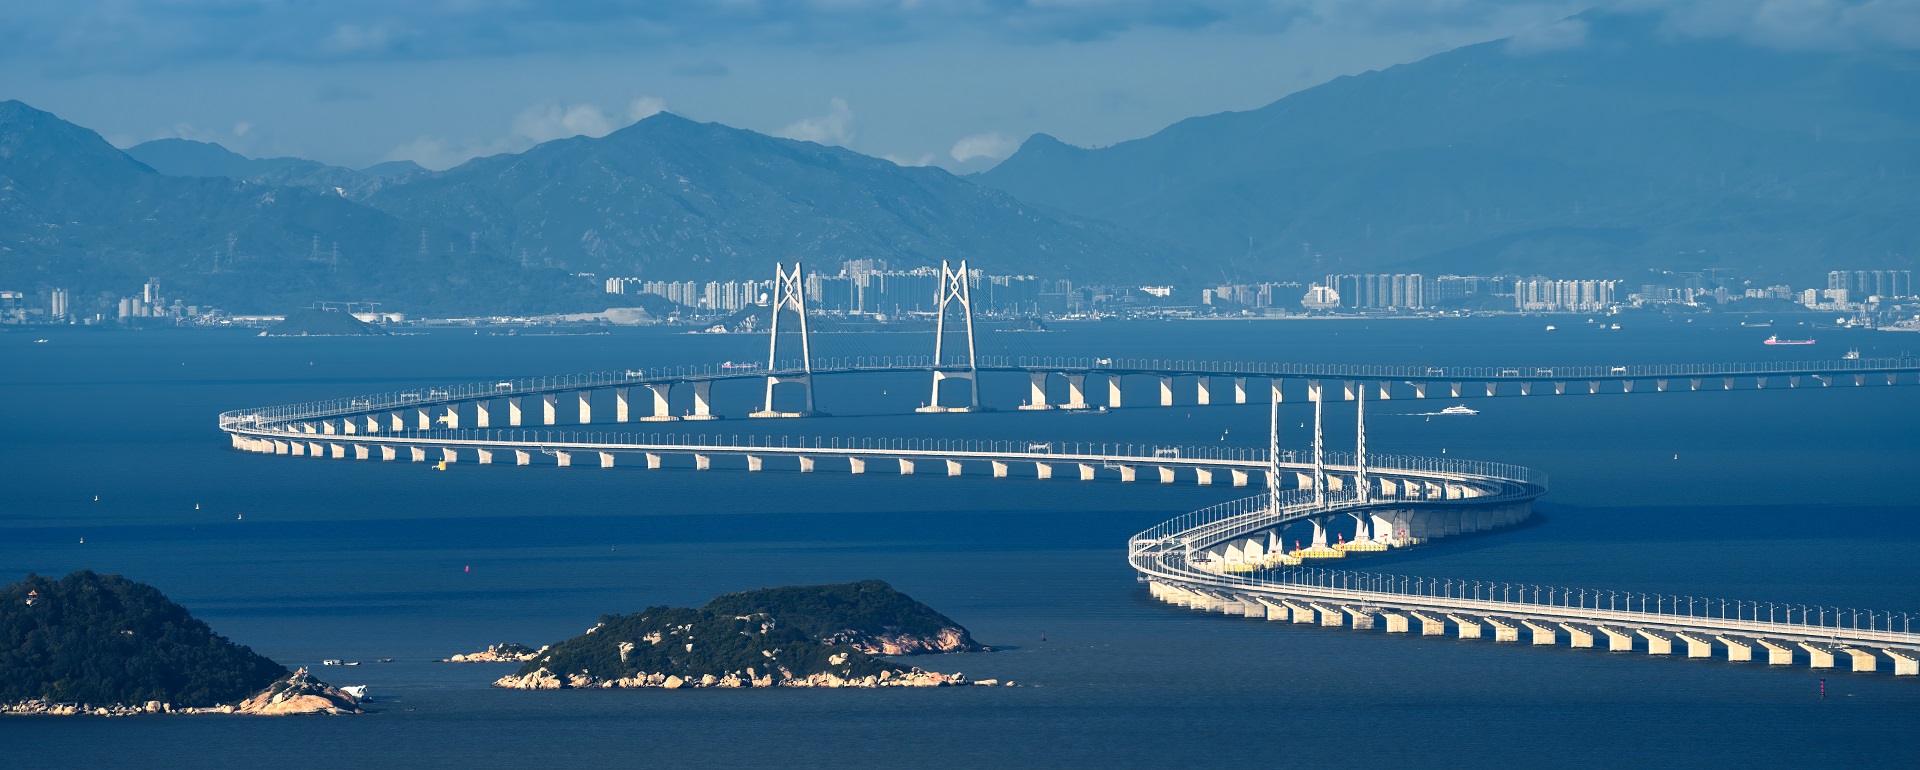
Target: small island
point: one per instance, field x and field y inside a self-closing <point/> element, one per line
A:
<point x="317" y="322"/>
<point x="795" y="636"/>
<point x="497" y="653"/>
<point x="108" y="646"/>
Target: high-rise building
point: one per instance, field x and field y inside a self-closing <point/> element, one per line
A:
<point x="57" y="304"/>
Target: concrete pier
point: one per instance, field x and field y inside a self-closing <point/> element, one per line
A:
<point x="1275" y="611"/>
<point x="806" y="464"/>
<point x="563" y="459"/>
<point x="419" y="454"/>
<point x="906" y="467"/>
<point x="1329" y="616"/>
<point x="1861" y="660"/>
<point x="1737" y="649"/>
<point x="622" y="408"/>
<point x="1297" y="613"/>
<point x="703" y="401"/>
<point x="1818" y="655"/>
<point x="1697" y="646"/>
<point x="653" y="461"/>
<point x="1203" y="477"/>
<point x="1076" y="392"/>
<point x="1113" y="391"/>
<point x="1036" y="393"/>
<point x="753" y="463"/>
<point x="1905" y="662"/>
<point x="1778" y="653"/>
<point x="1539" y="632"/>
<point x="388" y="453"/>
<point x="549" y="408"/>
<point x="1360" y="618"/>
<point x="1577" y="635"/>
<point x="1657" y="643"/>
<point x="586" y="407"/>
<point x="1042" y="471"/>
<point x="856" y="465"/>
<point x="1166" y="474"/>
<point x="1166" y="391"/>
<point x="513" y="414"/>
<point x="1203" y="390"/>
<point x="953" y="467"/>
<point x="1396" y="622"/>
<point x="482" y="414"/>
<point x="1430" y="625"/>
<point x="662" y="411"/>
<point x="483" y="456"/>
<point x="1617" y="639"/>
<point x="606" y="459"/>
<point x="522" y="457"/>
<point x="1086" y="471"/>
<point x="702" y="463"/>
<point x="1466" y="627"/>
<point x="1503" y="629"/>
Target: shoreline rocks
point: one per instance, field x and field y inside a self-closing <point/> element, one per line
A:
<point x="542" y="679"/>
<point x="298" y="693"/>
<point x="498" y="653"/>
<point x="949" y="639"/>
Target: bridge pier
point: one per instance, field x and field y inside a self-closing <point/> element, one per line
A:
<point x="662" y="407"/>
<point x="1166" y="474"/>
<point x="1203" y="390"/>
<point x="1539" y="632"/>
<point x="1330" y="617"/>
<point x="973" y="393"/>
<point x="1737" y="649"/>
<point x="563" y="459"/>
<point x="419" y="454"/>
<point x="1577" y="636"/>
<point x="1430" y="625"/>
<point x="606" y="459"/>
<point x="1086" y="471"/>
<point x="1042" y="471"/>
<point x="1905" y="662"/>
<point x="622" y="409"/>
<point x="1359" y="618"/>
<point x="1297" y="613"/>
<point x="1166" y="390"/>
<point x="1274" y="611"/>
<point x="1818" y="655"/>
<point x="522" y="457"/>
<point x="856" y="465"/>
<point x="953" y="467"/>
<point x="1859" y="659"/>
<point x="1113" y="391"/>
<point x="1239" y="390"/>
<point x="1126" y="473"/>
<point x="1617" y="640"/>
<point x="586" y="407"/>
<point x="398" y="420"/>
<point x="481" y="416"/>
<point x="1778" y="653"/>
<point x="906" y="467"/>
<point x="999" y="469"/>
<point x="360" y="451"/>
<point x="483" y="456"/>
<point x="449" y="455"/>
<point x="387" y="454"/>
<point x="1239" y="477"/>
<point x="753" y="463"/>
<point x="702" y="462"/>
<point x="806" y="464"/>
<point x="653" y="461"/>
<point x="337" y="451"/>
<point x="703" y="401"/>
<point x="1503" y="629"/>
<point x="1396" y="622"/>
<point x="1076" y="391"/>
<point x="1203" y="477"/>
<point x="1466" y="627"/>
<point x="1697" y="646"/>
<point x="422" y="419"/>
<point x="513" y="413"/>
<point x="1037" y="395"/>
<point x="549" y="408"/>
<point x="1657" y="643"/>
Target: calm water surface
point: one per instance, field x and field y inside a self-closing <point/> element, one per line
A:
<point x="1775" y="495"/>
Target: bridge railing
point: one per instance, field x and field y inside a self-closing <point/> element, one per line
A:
<point x="525" y="386"/>
<point x="1605" y="605"/>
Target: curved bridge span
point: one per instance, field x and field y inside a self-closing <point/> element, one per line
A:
<point x="1229" y="558"/>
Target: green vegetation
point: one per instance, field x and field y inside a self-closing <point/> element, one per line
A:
<point x="104" y="639"/>
<point x="854" y="613"/>
<point x="690" y="643"/>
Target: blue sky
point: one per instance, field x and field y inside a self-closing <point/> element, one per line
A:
<point x="957" y="84"/>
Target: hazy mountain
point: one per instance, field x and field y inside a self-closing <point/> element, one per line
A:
<point x="186" y="157"/>
<point x="671" y="198"/>
<point x="77" y="213"/>
<point x="1622" y="148"/>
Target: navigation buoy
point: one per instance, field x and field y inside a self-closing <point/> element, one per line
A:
<point x="468" y="569"/>
<point x="1823" y="688"/>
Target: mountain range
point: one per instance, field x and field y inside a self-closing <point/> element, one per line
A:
<point x="1624" y="148"/>
<point x="1620" y="148"/>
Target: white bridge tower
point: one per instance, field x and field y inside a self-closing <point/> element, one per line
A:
<point x="789" y="292"/>
<point x="953" y="289"/>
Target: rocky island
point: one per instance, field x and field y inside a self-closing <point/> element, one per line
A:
<point x="796" y="636"/>
<point x="105" y="645"/>
<point x="498" y="653"/>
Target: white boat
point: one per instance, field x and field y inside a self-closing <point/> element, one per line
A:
<point x="1460" y="409"/>
<point x="1549" y="327"/>
<point x="358" y="691"/>
<point x="1853" y="354"/>
<point x="330" y="662"/>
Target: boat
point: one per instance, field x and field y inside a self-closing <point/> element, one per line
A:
<point x="1775" y="340"/>
<point x="330" y="662"/>
<point x="1853" y="354"/>
<point x="1549" y="327"/>
<point x="1460" y="409"/>
<point x="358" y="691"/>
<point x="39" y="341"/>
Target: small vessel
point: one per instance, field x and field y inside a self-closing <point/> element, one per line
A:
<point x="1460" y="409"/>
<point x="1615" y="327"/>
<point x="39" y="341"/>
<point x="351" y="663"/>
<point x="357" y="691"/>
<point x="1853" y="354"/>
<point x="1549" y="327"/>
<point x="239" y="517"/>
<point x="1775" y="340"/>
<point x="83" y="541"/>
<point x="330" y="662"/>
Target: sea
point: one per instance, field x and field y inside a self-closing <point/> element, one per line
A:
<point x="111" y="460"/>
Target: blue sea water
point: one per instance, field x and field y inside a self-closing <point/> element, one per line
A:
<point x="1800" y="495"/>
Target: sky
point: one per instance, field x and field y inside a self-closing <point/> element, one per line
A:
<point x="958" y="84"/>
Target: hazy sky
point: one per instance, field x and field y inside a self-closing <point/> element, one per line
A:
<point x="958" y="84"/>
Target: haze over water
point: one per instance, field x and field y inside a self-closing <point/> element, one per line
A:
<point x="1784" y="495"/>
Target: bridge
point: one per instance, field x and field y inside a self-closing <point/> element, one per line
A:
<point x="1229" y="558"/>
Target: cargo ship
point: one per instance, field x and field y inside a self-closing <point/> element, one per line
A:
<point x="1775" y="340"/>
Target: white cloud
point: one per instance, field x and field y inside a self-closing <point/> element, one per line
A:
<point x="989" y="145"/>
<point x="645" y="107"/>
<point x="833" y="128"/>
<point x="241" y="128"/>
<point x="534" y="125"/>
<point x="1558" y="36"/>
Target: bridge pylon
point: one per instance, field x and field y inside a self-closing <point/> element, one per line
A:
<point x="953" y="290"/>
<point x="789" y="293"/>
